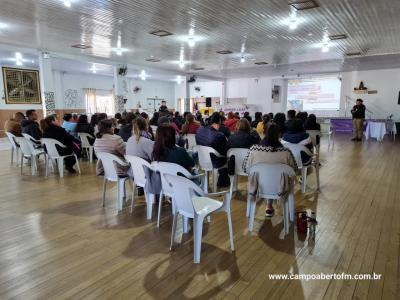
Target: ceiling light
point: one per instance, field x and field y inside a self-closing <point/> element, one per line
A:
<point x="143" y="75"/>
<point x="160" y="33"/>
<point x="261" y="63"/>
<point x="18" y="56"/>
<point x="355" y="53"/>
<point x="118" y="51"/>
<point x="191" y="31"/>
<point x="242" y="60"/>
<point x="224" y="52"/>
<point x="67" y="3"/>
<point x="325" y="48"/>
<point x="181" y="64"/>
<point x="3" y="25"/>
<point x="81" y="46"/>
<point x="19" y="62"/>
<point x="179" y="79"/>
<point x="293" y="21"/>
<point x="304" y="4"/>
<point x="335" y="37"/>
<point x="191" y="42"/>
<point x="94" y="70"/>
<point x="153" y="59"/>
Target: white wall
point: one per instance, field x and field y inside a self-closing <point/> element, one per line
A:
<point x="384" y="81"/>
<point x="207" y="89"/>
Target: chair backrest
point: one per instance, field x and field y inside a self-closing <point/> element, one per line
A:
<point x="296" y="150"/>
<point x="32" y="143"/>
<point x="168" y="168"/>
<point x="240" y="155"/>
<point x="107" y="160"/>
<point x="184" y="190"/>
<point x="137" y="164"/>
<point x="326" y="128"/>
<point x="315" y="136"/>
<point x="51" y="148"/>
<point x="24" y="146"/>
<point x="191" y="138"/>
<point x="204" y="157"/>
<point x="84" y="139"/>
<point x="12" y="139"/>
<point x="269" y="178"/>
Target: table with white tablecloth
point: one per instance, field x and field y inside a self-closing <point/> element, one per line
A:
<point x="378" y="130"/>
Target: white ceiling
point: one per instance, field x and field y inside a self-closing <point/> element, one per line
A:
<point x="257" y="26"/>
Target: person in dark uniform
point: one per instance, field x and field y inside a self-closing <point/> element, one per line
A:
<point x="163" y="107"/>
<point x="358" y="113"/>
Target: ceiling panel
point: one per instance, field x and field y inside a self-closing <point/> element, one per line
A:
<point x="255" y="29"/>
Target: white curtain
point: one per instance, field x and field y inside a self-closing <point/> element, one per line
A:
<point x="99" y="101"/>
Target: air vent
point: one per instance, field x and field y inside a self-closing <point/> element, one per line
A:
<point x="160" y="33"/>
<point x="225" y="52"/>
<point x="355" y="53"/>
<point x="335" y="37"/>
<point x="304" y="4"/>
<point x="152" y="59"/>
<point x="81" y="46"/>
<point x="198" y="69"/>
<point x="260" y="63"/>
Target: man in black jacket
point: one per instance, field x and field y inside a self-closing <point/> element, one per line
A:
<point x="30" y="125"/>
<point x="358" y="113"/>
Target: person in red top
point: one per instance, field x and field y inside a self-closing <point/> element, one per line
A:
<point x="190" y="126"/>
<point x="231" y="122"/>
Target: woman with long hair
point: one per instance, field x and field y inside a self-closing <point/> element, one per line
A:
<point x="191" y="125"/>
<point x="166" y="150"/>
<point x="243" y="137"/>
<point x="108" y="142"/>
<point x="139" y="145"/>
<point x="83" y="126"/>
<point x="269" y="151"/>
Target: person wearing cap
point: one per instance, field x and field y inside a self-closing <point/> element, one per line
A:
<point x="358" y="113"/>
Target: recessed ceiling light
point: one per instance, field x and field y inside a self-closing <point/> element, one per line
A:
<point x="94" y="69"/>
<point x="160" y="33"/>
<point x="225" y="52"/>
<point x="18" y="55"/>
<point x="261" y="63"/>
<point x="143" y="75"/>
<point x="334" y="37"/>
<point x="81" y="46"/>
<point x="325" y="48"/>
<point x="304" y="4"/>
<point x="242" y="59"/>
<point x="152" y="59"/>
<point x="67" y="3"/>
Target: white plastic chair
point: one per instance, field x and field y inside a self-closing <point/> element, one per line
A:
<point x="29" y="152"/>
<point x="240" y="155"/>
<point x="110" y="174"/>
<point x="191" y="141"/>
<point x="326" y="129"/>
<point x="206" y="165"/>
<point x="172" y="169"/>
<point x="53" y="155"/>
<point x="84" y="137"/>
<point x="191" y="202"/>
<point x="14" y="147"/>
<point x="315" y="136"/>
<point x="269" y="181"/>
<point x="139" y="180"/>
<point x="296" y="150"/>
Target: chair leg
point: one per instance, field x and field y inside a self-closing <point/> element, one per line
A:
<point x="121" y="193"/>
<point x="252" y="214"/>
<point x="133" y="196"/>
<point x="206" y="182"/>
<point x="33" y="164"/>
<point x="150" y="202"/>
<point x="12" y="155"/>
<point x="174" y="221"/>
<point x="91" y="154"/>
<point x="160" y="200"/>
<point x="60" y="163"/>
<point x="291" y="206"/>
<point x="46" y="163"/>
<point x="228" y="214"/>
<point x="185" y="224"/>
<point x="317" y="174"/>
<point x="197" y="236"/>
<point x="304" y="179"/>
<point x="215" y="180"/>
<point x="248" y="208"/>
<point x="104" y="191"/>
<point x="22" y="163"/>
<point x="77" y="164"/>
<point x="286" y="223"/>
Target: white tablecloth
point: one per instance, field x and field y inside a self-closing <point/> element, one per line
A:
<point x="375" y="130"/>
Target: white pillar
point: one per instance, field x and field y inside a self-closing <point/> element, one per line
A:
<point x="47" y="86"/>
<point x="120" y="89"/>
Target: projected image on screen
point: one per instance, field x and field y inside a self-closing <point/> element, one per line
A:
<point x="315" y="94"/>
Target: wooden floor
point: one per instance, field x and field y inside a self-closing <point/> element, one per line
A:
<point x="57" y="242"/>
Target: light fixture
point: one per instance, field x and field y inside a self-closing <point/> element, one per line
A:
<point x="67" y="3"/>
<point x="325" y="47"/>
<point x="94" y="70"/>
<point x="325" y="42"/>
<point x="19" y="63"/>
<point x="181" y="64"/>
<point x="143" y="75"/>
<point x="293" y="21"/>
<point x="191" y="41"/>
<point x="178" y="79"/>
<point x="242" y="59"/>
<point x="160" y="33"/>
<point x="181" y="58"/>
<point x="3" y="25"/>
<point x="18" y="56"/>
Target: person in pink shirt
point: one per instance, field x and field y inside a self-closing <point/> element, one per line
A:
<point x="231" y="122"/>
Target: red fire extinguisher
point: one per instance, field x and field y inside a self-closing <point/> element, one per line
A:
<point x="302" y="219"/>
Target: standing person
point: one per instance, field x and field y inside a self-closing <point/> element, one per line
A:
<point x="30" y="125"/>
<point x="163" y="108"/>
<point x="13" y="125"/>
<point x="358" y="113"/>
<point x="52" y="130"/>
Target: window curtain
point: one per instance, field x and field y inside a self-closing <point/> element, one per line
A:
<point x="99" y="101"/>
<point x="90" y="99"/>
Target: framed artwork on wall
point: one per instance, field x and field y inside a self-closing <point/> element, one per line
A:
<point x="21" y="86"/>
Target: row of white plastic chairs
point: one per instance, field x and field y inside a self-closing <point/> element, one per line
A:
<point x="190" y="200"/>
<point x="26" y="147"/>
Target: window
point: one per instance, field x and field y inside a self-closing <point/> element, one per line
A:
<point x="99" y="101"/>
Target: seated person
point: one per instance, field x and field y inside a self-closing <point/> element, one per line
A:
<point x="154" y="120"/>
<point x="247" y="116"/>
<point x="83" y="126"/>
<point x="257" y="119"/>
<point x="243" y="138"/>
<point x="13" y="125"/>
<point x="69" y="125"/>
<point x="280" y="120"/>
<point x="178" y="120"/>
<point x="30" y="125"/>
<point x="266" y="119"/>
<point x="52" y="130"/>
<point x="211" y="136"/>
<point x="230" y="123"/>
<point x="125" y="132"/>
<point x="108" y="142"/>
<point x="269" y="151"/>
<point x="291" y="115"/>
<point x="311" y="123"/>
<point x="139" y="144"/>
<point x="297" y="135"/>
<point x="190" y="126"/>
<point x="166" y="150"/>
<point x="149" y="130"/>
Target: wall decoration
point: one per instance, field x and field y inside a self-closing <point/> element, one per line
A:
<point x="21" y="86"/>
<point x="119" y="103"/>
<point x="136" y="89"/>
<point x="72" y="99"/>
<point x="276" y="94"/>
<point x="50" y="103"/>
